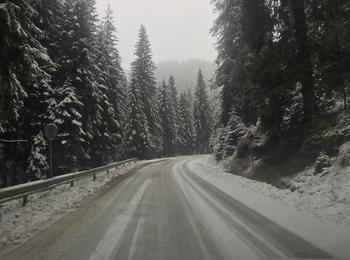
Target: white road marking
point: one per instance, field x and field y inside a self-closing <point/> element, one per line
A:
<point x="111" y="239"/>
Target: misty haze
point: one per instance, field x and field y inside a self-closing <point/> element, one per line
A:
<point x="174" y="129"/>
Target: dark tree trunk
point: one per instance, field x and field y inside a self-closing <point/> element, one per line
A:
<point x="304" y="59"/>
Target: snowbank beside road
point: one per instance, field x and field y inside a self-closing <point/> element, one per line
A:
<point x="326" y="196"/>
<point x="20" y="223"/>
<point x="329" y="231"/>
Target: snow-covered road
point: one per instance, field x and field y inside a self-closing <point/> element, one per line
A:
<point x="177" y="209"/>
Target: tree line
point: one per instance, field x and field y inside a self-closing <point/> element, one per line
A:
<point x="283" y="65"/>
<point x="60" y="64"/>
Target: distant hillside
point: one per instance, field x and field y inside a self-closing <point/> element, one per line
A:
<point x="185" y="72"/>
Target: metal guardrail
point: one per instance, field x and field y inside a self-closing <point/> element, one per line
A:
<point x="26" y="189"/>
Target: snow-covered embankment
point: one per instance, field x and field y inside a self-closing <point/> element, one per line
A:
<point x="43" y="209"/>
<point x="318" y="211"/>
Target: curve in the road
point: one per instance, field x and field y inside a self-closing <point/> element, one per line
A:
<point x="163" y="210"/>
<point x="258" y="230"/>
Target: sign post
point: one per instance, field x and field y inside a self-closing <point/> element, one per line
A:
<point x="50" y="133"/>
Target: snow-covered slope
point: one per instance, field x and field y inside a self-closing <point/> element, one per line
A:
<point x="313" y="214"/>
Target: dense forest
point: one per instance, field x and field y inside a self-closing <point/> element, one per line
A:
<point x="186" y="72"/>
<point x="59" y="63"/>
<point x="284" y="74"/>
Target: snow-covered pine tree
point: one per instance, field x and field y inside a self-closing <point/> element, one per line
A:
<point x="78" y="112"/>
<point x="25" y="85"/>
<point x="238" y="26"/>
<point x="185" y="126"/>
<point x="49" y="20"/>
<point x="143" y="69"/>
<point x="235" y="129"/>
<point x="201" y="116"/>
<point x="175" y="108"/>
<point x="38" y="159"/>
<point x="113" y="87"/>
<point x="37" y="112"/>
<point x="181" y="131"/>
<point x="137" y="139"/>
<point x="218" y="143"/>
<point x="21" y="56"/>
<point x="167" y="119"/>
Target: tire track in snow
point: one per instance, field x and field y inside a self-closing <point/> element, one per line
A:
<point x="281" y="239"/>
<point x="111" y="239"/>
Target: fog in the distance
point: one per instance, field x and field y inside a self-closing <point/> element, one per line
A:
<point x="178" y="29"/>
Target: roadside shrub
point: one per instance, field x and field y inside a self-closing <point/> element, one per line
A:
<point x="323" y="161"/>
<point x="225" y="141"/>
<point x="218" y="144"/>
<point x="343" y="159"/>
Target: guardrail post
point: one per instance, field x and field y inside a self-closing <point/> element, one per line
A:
<point x="25" y="200"/>
<point x="0" y="213"/>
<point x="94" y="176"/>
<point x="72" y="183"/>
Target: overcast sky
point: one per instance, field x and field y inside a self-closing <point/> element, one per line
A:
<point x="178" y="29"/>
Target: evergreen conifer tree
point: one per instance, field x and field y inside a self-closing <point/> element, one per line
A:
<point x="113" y="88"/>
<point x="79" y="112"/>
<point x="167" y="119"/>
<point x="201" y="116"/>
<point x="49" y="20"/>
<point x="185" y="125"/>
<point x="175" y="108"/>
<point x="329" y="24"/>
<point x="143" y="79"/>
<point x="22" y="57"/>
<point x="137" y="139"/>
<point x="25" y="86"/>
<point x="235" y="129"/>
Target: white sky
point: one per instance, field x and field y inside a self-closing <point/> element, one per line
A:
<point x="178" y="29"/>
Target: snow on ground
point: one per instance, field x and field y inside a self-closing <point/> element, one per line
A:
<point x="43" y="209"/>
<point x="315" y="214"/>
<point x="326" y="196"/>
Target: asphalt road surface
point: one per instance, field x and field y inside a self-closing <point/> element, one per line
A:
<point x="162" y="210"/>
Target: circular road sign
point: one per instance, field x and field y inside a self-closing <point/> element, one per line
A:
<point x="51" y="131"/>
